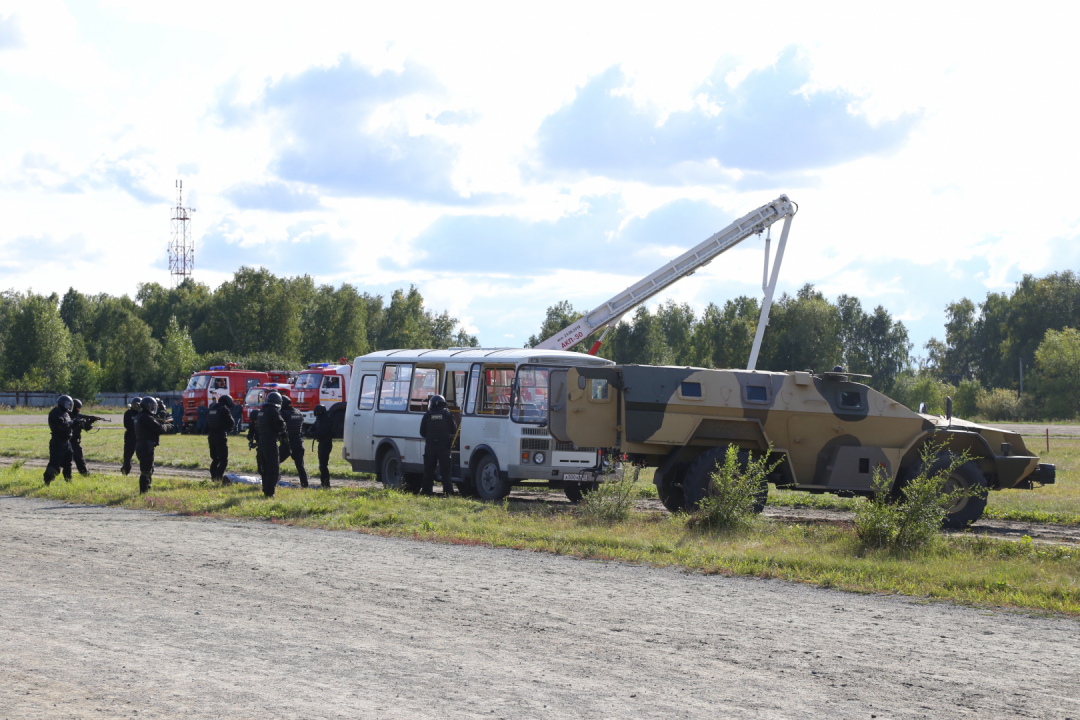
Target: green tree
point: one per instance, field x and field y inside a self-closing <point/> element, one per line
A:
<point x="188" y="302"/>
<point x="178" y="357"/>
<point x="640" y="342"/>
<point x="873" y="344"/>
<point x="131" y="358"/>
<point x="677" y="325"/>
<point x="37" y="348"/>
<point x="255" y="312"/>
<point x="335" y="325"/>
<point x="1057" y="361"/>
<point x="85" y="381"/>
<point x="803" y="332"/>
<point x="723" y="338"/>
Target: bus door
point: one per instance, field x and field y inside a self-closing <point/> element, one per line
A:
<point x="425" y="383"/>
<point x="455" y="383"/>
<point x="491" y="405"/>
<point x="361" y="443"/>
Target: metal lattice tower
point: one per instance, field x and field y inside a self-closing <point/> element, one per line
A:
<point x="182" y="244"/>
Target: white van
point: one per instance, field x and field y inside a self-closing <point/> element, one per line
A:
<point x="499" y="397"/>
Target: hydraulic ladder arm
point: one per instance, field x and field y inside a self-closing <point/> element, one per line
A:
<point x="609" y="313"/>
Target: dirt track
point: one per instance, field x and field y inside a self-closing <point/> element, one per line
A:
<point x="110" y="612"/>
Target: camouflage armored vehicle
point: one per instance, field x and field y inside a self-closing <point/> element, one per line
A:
<point x="830" y="432"/>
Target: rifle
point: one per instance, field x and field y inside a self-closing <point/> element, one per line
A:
<point x="90" y="419"/>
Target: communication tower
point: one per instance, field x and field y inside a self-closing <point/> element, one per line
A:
<point x="182" y="244"/>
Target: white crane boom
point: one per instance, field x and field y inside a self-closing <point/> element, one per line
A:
<point x="609" y="313"/>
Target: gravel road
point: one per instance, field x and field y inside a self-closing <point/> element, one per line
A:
<point x="109" y="612"/>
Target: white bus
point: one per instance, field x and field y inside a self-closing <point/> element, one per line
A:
<point x="499" y="397"/>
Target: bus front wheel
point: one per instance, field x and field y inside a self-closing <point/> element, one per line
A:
<point x="488" y="480"/>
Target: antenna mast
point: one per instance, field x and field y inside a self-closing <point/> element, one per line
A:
<point x="182" y="244"/>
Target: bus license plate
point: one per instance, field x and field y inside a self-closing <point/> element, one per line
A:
<point x="577" y="477"/>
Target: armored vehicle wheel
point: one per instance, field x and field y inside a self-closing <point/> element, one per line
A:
<point x="697" y="484"/>
<point x="966" y="477"/>
<point x="576" y="491"/>
<point x="489" y="482"/>
<point x="669" y="488"/>
<point x="391" y="474"/>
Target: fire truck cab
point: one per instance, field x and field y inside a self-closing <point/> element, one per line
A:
<point x="206" y="386"/>
<point x="320" y="384"/>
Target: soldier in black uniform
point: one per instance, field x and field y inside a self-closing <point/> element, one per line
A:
<point x="271" y="430"/>
<point x="294" y="425"/>
<point x="60" y="442"/>
<point x="78" y="424"/>
<point x="323" y="432"/>
<point x="438" y="429"/>
<point x="148" y="430"/>
<point x="129" y="434"/>
<point x="219" y="423"/>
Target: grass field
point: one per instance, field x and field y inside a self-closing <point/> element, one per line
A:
<point x="1054" y="503"/>
<point x="970" y="570"/>
<point x="181" y="451"/>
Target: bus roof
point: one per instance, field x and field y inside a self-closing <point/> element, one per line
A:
<point x="514" y="355"/>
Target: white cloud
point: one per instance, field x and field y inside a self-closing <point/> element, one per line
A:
<point x="122" y="95"/>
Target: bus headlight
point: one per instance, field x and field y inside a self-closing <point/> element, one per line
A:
<point x="538" y="458"/>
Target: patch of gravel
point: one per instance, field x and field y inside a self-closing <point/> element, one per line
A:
<point x="110" y="612"/>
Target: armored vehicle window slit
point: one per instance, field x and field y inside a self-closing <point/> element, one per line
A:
<point x="850" y="399"/>
<point x="757" y="394"/>
<point x="690" y="390"/>
<point x="598" y="390"/>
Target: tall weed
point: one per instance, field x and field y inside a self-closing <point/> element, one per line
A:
<point x="612" y="501"/>
<point x="736" y="492"/>
<point x="911" y="520"/>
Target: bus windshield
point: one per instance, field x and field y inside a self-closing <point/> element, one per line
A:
<point x="530" y="399"/>
<point x="198" y="382"/>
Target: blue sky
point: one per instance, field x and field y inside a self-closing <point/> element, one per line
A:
<point x="503" y="158"/>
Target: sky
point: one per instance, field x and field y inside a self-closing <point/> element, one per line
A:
<point x="505" y="156"/>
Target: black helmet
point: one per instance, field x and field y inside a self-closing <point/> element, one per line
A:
<point x="160" y="405"/>
<point x="149" y="404"/>
<point x="436" y="402"/>
<point x="65" y="402"/>
<point x="136" y="403"/>
<point x="226" y="400"/>
<point x="274" y="398"/>
<point x="286" y="401"/>
<point x="77" y="403"/>
<point x="320" y="410"/>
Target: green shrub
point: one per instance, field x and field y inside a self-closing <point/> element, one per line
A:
<point x="965" y="399"/>
<point x="999" y="404"/>
<point x="736" y="492"/>
<point x="909" y="520"/>
<point x="612" y="501"/>
<point x="911" y="390"/>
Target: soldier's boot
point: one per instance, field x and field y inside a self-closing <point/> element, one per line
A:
<point x="325" y="484"/>
<point x="67" y="475"/>
<point x="49" y="474"/>
<point x="144" y="484"/>
<point x="125" y="468"/>
<point x="448" y="488"/>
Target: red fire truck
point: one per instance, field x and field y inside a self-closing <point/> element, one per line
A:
<point x="206" y="386"/>
<point x="321" y="384"/>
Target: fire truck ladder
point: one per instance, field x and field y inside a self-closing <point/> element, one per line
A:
<point x="609" y="313"/>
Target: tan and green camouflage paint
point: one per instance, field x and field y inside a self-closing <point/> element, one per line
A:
<point x="829" y="443"/>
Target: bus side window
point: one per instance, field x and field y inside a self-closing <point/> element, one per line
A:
<point x="366" y="400"/>
<point x="454" y="389"/>
<point x="474" y="383"/>
<point x="496" y="397"/>
<point x="425" y="384"/>
<point x="395" y="387"/>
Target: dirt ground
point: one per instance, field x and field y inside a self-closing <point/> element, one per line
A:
<point x="108" y="612"/>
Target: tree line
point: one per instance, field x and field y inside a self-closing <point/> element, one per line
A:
<point x="83" y="344"/>
<point x="978" y="363"/>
